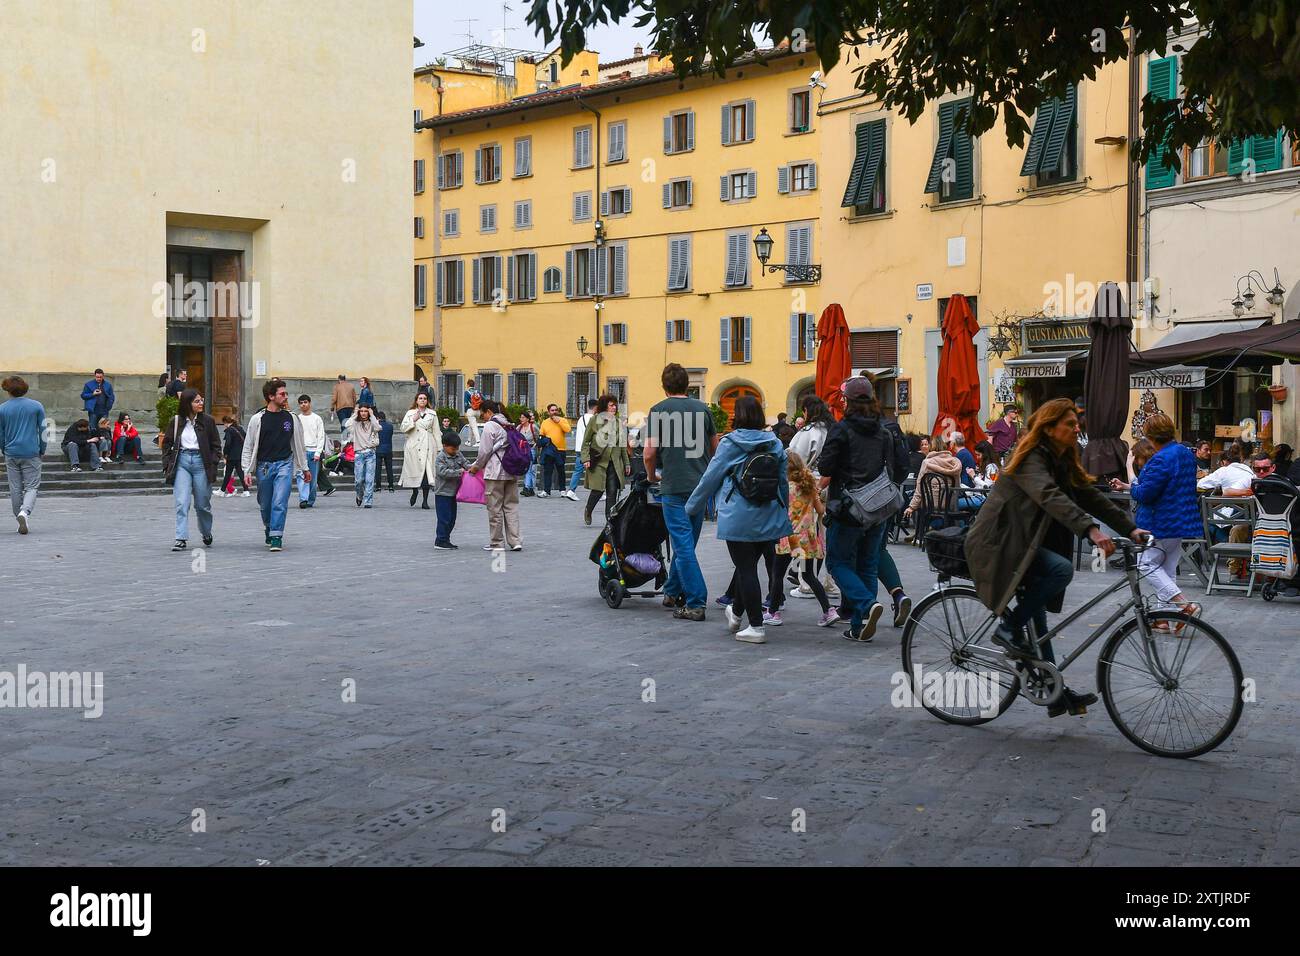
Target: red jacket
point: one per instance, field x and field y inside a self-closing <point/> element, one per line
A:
<point x="120" y="432"/>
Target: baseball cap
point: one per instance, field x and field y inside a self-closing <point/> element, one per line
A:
<point x="858" y="388"/>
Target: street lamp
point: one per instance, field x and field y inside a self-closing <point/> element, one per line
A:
<point x="1245" y="301"/>
<point x="582" y="350"/>
<point x="811" y="272"/>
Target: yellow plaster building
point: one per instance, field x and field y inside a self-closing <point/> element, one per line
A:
<point x="618" y="205"/>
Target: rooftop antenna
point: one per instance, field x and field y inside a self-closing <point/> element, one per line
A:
<point x="500" y="36"/>
<point x="469" y="30"/>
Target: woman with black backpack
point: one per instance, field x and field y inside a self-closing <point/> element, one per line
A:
<point x="748" y="471"/>
<point x="858" y="451"/>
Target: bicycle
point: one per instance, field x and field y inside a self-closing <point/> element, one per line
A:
<point x="1174" y="693"/>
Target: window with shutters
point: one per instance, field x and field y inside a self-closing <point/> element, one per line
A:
<point x="419" y="227"/>
<point x="798" y="246"/>
<point x="523" y="388"/>
<point x="615" y="333"/>
<point x="678" y="194"/>
<point x="1052" y="156"/>
<point x="741" y="185"/>
<point x="552" y="280"/>
<point x="521" y="281"/>
<point x="487" y="164"/>
<point x="678" y="330"/>
<point x="487" y="218"/>
<point x="876" y="348"/>
<point x="419" y="117"/>
<point x="803" y="337"/>
<point x="736" y="274"/>
<point x="450" y="389"/>
<point x="421" y="284"/>
<point x="617" y="387"/>
<point x="451" y="170"/>
<point x="617" y="134"/>
<point x="582" y="147"/>
<point x="1204" y="160"/>
<point x="865" y="191"/>
<point x="738" y="123"/>
<point x="450" y="282"/>
<point x="523" y="214"/>
<point x="679" y="263"/>
<point x="582" y="206"/>
<point x="735" y="339"/>
<point x="580" y="282"/>
<point x="679" y="132"/>
<point x="952" y="168"/>
<point x="800" y="111"/>
<point x="488" y="280"/>
<point x="451" y="222"/>
<point x="419" y="176"/>
<point x="617" y="201"/>
<point x="489" y="383"/>
<point x="582" y="389"/>
<point x="802" y="177"/>
<point x="523" y="157"/>
<point x="611" y="278"/>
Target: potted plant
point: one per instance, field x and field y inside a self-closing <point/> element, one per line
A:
<point x="1278" y="392"/>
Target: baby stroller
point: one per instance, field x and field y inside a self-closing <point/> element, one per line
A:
<point x="632" y="552"/>
<point x="1274" y="540"/>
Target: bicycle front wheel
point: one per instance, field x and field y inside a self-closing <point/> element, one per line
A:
<point x="1177" y="694"/>
<point x="954" y="670"/>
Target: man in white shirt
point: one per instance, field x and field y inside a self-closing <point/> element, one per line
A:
<point x="313" y="435"/>
<point x="579" y="430"/>
<point x="1233" y="480"/>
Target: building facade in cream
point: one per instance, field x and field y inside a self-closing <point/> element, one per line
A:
<point x="242" y="144"/>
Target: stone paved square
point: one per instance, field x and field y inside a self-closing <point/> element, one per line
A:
<point x="517" y="695"/>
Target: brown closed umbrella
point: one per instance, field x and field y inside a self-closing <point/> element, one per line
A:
<point x="1105" y="384"/>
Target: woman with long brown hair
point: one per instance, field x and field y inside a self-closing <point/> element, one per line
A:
<point x="1024" y="533"/>
<point x="191" y="450"/>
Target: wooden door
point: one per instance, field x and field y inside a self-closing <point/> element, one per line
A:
<point x="728" y="399"/>
<point x="225" y="398"/>
<point x="191" y="359"/>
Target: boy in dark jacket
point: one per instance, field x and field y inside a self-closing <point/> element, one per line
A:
<point x="448" y="466"/>
<point x="384" y="453"/>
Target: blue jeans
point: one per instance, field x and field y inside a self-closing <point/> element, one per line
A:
<point x="125" y="445"/>
<point x="365" y="476"/>
<point x="73" y="451"/>
<point x="530" y="479"/>
<point x="191" y="484"/>
<point x="274" y="482"/>
<point x="552" y="463"/>
<point x="887" y="570"/>
<point x="445" y="508"/>
<point x="1048" y="576"/>
<point x="684" y="577"/>
<point x="307" y="491"/>
<point x="853" y="559"/>
<point x="577" y="474"/>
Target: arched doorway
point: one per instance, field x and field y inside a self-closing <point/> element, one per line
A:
<point x="799" y="394"/>
<point x="729" y="394"/>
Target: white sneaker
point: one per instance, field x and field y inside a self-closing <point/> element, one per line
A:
<point x="734" y="621"/>
<point x="218" y="493"/>
<point x="22" y="522"/>
<point x="801" y="592"/>
<point x="752" y="635"/>
<point x="245" y="494"/>
<point x="570" y="494"/>
<point x="543" y="494"/>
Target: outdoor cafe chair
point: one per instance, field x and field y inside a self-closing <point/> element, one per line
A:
<point x="1241" y="515"/>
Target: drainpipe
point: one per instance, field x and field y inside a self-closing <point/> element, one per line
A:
<point x="598" y="301"/>
<point x="1131" y="218"/>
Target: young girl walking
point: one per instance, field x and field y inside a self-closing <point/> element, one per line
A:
<point x="806" y="542"/>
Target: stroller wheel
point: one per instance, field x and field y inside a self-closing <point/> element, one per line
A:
<point x="1268" y="592"/>
<point x="613" y="594"/>
<point x="600" y="584"/>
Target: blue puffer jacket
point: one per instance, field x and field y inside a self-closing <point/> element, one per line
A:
<point x="1165" y="494"/>
<point x="739" y="519"/>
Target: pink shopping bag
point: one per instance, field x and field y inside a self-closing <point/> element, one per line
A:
<point x="471" y="491"/>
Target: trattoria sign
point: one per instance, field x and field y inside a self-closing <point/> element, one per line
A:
<point x="1047" y="368"/>
<point x="1174" y="376"/>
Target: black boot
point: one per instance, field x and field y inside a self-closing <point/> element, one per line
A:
<point x="425" y="504"/>
<point x="414" y="492"/>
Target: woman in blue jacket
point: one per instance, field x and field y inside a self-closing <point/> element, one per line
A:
<point x="750" y="528"/>
<point x="1165" y="495"/>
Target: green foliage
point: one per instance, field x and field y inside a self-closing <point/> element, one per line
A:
<point x="513" y="411"/>
<point x="167" y="408"/>
<point x="451" y="413"/>
<point x="721" y="422"/>
<point x="1010" y="56"/>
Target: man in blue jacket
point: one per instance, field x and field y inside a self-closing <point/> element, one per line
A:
<point x="97" y="398"/>
<point x="385" y="451"/>
<point x="22" y="440"/>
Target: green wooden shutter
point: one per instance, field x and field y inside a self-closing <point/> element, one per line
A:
<point x="1266" y="151"/>
<point x="1038" y="138"/>
<point x="1162" y="84"/>
<point x="875" y="154"/>
<point x="851" y="192"/>
<point x="933" y="180"/>
<point x="963" y="150"/>
<point x="1062" y="120"/>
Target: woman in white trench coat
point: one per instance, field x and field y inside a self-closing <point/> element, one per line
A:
<point x="420" y="426"/>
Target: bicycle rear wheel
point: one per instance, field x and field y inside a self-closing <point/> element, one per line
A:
<point x="946" y="677"/>
<point x="1176" y="695"/>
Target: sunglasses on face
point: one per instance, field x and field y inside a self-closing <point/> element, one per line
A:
<point x="1264" y="469"/>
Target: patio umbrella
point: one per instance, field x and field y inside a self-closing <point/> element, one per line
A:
<point x="959" y="377"/>
<point x="833" y="360"/>
<point x="1105" y="383"/>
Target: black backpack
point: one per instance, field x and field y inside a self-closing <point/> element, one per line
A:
<point x="758" y="477"/>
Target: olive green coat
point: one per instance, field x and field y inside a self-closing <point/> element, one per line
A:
<point x="1035" y="507"/>
<point x="604" y="445"/>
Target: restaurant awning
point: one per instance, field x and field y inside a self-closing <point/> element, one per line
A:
<point x="1184" y="332"/>
<point x="1264" y="345"/>
<point x="1042" y="364"/>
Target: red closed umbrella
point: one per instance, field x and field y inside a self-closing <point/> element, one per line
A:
<point x="959" y="375"/>
<point x="833" y="361"/>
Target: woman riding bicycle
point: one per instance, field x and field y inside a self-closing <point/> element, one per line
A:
<point x="1024" y="534"/>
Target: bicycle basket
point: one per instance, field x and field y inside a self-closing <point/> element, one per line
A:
<point x="946" y="549"/>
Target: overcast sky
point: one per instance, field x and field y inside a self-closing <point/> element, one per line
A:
<point x="440" y="24"/>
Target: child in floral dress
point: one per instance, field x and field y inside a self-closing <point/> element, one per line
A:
<point x="807" y="543"/>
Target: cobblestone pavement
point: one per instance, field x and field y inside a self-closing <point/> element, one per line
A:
<point x="519" y="692"/>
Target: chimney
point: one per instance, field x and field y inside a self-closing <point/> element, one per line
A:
<point x="638" y="50"/>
